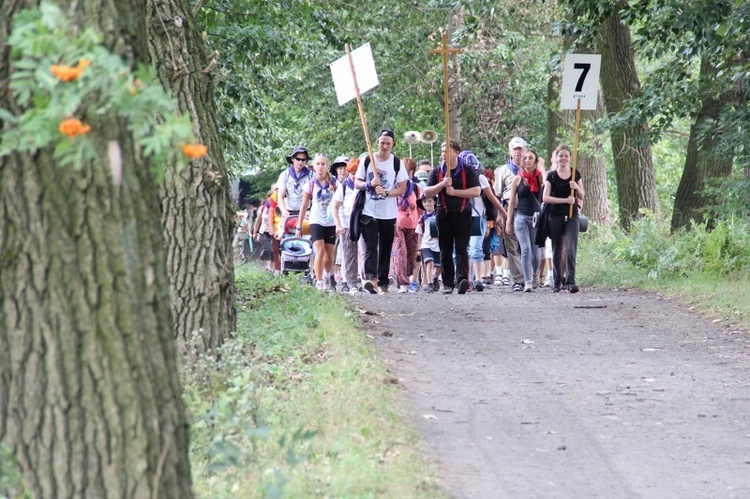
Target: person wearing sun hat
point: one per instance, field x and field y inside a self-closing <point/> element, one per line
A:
<point x="338" y="168"/>
<point x="292" y="182"/>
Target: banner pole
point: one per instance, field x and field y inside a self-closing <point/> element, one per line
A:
<point x="359" y="106"/>
<point x="575" y="153"/>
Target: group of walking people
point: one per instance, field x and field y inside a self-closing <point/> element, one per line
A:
<point x="459" y="223"/>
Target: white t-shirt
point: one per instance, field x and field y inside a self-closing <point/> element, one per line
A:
<point x="293" y="187"/>
<point x="387" y="208"/>
<point x="479" y="210"/>
<point x="428" y="241"/>
<point x="345" y="196"/>
<point x="321" y="195"/>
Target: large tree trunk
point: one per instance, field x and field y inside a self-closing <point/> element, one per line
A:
<point x="702" y="162"/>
<point x="197" y="213"/>
<point x="634" y="169"/>
<point x="90" y="394"/>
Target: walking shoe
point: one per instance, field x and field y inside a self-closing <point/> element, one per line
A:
<point x="549" y="282"/>
<point x="535" y="281"/>
<point x="572" y="288"/>
<point x="478" y="286"/>
<point x="403" y="288"/>
<point x="505" y="281"/>
<point x="447" y="290"/>
<point x="333" y="283"/>
<point x="528" y="287"/>
<point x="517" y="287"/>
<point x="354" y="290"/>
<point x="344" y="288"/>
<point x="435" y="284"/>
<point x="370" y="287"/>
<point x="557" y="287"/>
<point x="486" y="281"/>
<point x="413" y="287"/>
<point x="463" y="286"/>
<point x="320" y="285"/>
<point x="427" y="288"/>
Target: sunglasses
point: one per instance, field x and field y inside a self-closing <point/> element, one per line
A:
<point x="299" y="159"/>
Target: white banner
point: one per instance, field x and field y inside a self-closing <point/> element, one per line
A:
<point x="364" y="67"/>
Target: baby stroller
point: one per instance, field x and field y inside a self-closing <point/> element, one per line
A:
<point x="295" y="256"/>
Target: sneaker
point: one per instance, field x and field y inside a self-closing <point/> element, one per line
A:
<point x="370" y="287"/>
<point x="517" y="287"/>
<point x="320" y="285"/>
<point x="436" y="284"/>
<point x="447" y="290"/>
<point x="572" y="288"/>
<point x="478" y="286"/>
<point x="463" y="286"/>
<point x="535" y="281"/>
<point x="403" y="288"/>
<point x="557" y="287"/>
<point x="485" y="282"/>
<point x="549" y="282"/>
<point x="333" y="283"/>
<point x="413" y="287"/>
<point x="528" y="287"/>
<point x="353" y="290"/>
<point x="428" y="288"/>
<point x="344" y="288"/>
<point x="505" y="281"/>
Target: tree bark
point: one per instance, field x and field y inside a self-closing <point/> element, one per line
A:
<point x="197" y="211"/>
<point x="634" y="169"/>
<point x="703" y="161"/>
<point x="90" y="393"/>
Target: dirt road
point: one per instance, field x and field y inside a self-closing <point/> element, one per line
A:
<point x="607" y="393"/>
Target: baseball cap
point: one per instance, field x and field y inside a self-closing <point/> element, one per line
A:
<point x="516" y="142"/>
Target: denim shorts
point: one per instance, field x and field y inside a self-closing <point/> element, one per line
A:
<point x="431" y="256"/>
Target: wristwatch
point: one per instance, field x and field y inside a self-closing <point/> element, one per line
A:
<point x="387" y="193"/>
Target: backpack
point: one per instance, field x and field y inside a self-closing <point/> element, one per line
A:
<point x="489" y="209"/>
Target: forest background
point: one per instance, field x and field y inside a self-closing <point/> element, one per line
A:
<point x="115" y="278"/>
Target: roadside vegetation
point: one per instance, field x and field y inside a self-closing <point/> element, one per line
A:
<point x="300" y="404"/>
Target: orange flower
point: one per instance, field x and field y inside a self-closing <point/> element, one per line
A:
<point x="72" y="127"/>
<point x="194" y="151"/>
<point x="69" y="73"/>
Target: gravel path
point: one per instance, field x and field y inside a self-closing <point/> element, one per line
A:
<point x="607" y="393"/>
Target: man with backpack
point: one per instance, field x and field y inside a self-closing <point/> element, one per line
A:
<point x="455" y="185"/>
<point x="383" y="182"/>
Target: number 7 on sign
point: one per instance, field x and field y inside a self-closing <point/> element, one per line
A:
<point x="586" y="67"/>
<point x="580" y="81"/>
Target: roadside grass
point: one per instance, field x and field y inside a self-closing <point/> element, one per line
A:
<point x="708" y="270"/>
<point x="300" y="404"/>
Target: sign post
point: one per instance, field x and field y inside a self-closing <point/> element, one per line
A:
<point x="580" y="91"/>
<point x="445" y="51"/>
